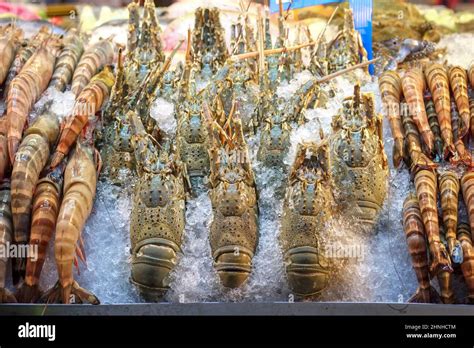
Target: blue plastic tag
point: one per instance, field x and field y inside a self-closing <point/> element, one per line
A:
<point x="362" y="10"/>
<point x="274" y="4"/>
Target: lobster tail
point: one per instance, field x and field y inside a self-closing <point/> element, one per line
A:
<point x="413" y="85"/>
<point x="233" y="267"/>
<point x="391" y="90"/>
<point x="426" y="191"/>
<point x="152" y="262"/>
<point x="438" y="84"/>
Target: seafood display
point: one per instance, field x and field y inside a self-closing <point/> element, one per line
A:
<point x="224" y="158"/>
<point x="437" y="124"/>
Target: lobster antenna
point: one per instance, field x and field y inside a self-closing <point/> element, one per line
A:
<point x="321" y="131"/>
<point x="188" y="47"/>
<point x="245" y="11"/>
<point x="321" y="34"/>
<point x="288" y="9"/>
<point x="231" y="114"/>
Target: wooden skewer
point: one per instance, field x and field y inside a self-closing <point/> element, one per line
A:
<point x="321" y="34"/>
<point x="271" y="51"/>
<point x="188" y="47"/>
<point x="284" y="49"/>
<point x="342" y="72"/>
<point x="170" y="58"/>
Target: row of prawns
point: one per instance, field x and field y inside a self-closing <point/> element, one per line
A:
<point x="49" y="168"/>
<point x="431" y="111"/>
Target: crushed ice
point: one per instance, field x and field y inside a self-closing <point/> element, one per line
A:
<point x="162" y="111"/>
<point x="382" y="272"/>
